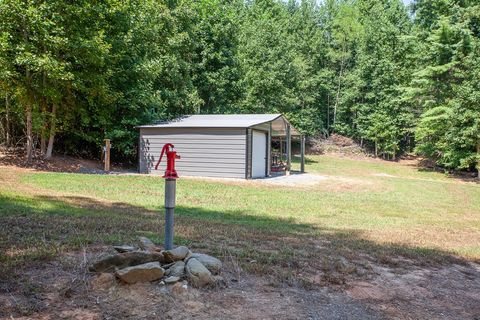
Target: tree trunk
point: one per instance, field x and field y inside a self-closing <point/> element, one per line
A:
<point x="339" y="84"/>
<point x="28" y="103"/>
<point x="328" y="112"/>
<point x="51" y="139"/>
<point x="43" y="142"/>
<point x="478" y="161"/>
<point x="43" y="133"/>
<point x="337" y="97"/>
<point x="7" y="119"/>
<point x="376" y="149"/>
<point x="29" y="133"/>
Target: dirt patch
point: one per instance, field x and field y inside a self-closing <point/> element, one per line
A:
<point x="452" y="292"/>
<point x="332" y="183"/>
<point x="301" y="180"/>
<point x="16" y="157"/>
<point x="61" y="289"/>
<point x="248" y="298"/>
<point x="304" y="181"/>
<point x="386" y="175"/>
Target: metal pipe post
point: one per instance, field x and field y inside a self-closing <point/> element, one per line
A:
<point x="170" y="190"/>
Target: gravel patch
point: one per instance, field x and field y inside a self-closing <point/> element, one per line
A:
<point x="303" y="179"/>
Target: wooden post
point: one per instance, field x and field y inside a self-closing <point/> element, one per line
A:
<point x="107" y="154"/>
<point x="289" y="150"/>
<point x="302" y="153"/>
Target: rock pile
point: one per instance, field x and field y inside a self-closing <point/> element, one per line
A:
<point x="150" y="263"/>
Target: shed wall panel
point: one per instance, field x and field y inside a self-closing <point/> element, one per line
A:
<point x="210" y="152"/>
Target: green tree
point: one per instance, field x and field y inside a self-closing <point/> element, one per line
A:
<point x="151" y="67"/>
<point x="447" y="89"/>
<point x="216" y="69"/>
<point x="379" y="115"/>
<point x="73" y="74"/>
<point x="344" y="33"/>
<point x="47" y="43"/>
<point x="280" y="53"/>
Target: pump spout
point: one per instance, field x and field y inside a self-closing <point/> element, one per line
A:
<point x="169" y="150"/>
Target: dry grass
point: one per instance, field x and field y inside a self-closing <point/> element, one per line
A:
<point x="394" y="215"/>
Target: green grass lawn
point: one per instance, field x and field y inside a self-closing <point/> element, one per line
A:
<point x="364" y="207"/>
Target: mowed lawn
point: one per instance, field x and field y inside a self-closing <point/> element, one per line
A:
<point x="362" y="208"/>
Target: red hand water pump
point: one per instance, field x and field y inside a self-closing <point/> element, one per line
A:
<point x="170" y="172"/>
<point x="170" y="191"/>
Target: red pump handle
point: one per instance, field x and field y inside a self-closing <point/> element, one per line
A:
<point x="165" y="147"/>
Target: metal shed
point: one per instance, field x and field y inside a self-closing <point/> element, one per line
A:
<point x="233" y="146"/>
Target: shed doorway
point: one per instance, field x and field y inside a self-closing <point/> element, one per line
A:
<point x="259" y="154"/>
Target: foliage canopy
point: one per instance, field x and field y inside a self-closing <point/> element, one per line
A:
<point x="395" y="78"/>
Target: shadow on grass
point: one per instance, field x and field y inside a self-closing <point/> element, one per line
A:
<point x="429" y="167"/>
<point x="32" y="227"/>
<point x="37" y="228"/>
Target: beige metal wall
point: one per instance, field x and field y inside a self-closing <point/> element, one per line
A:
<point x="208" y="152"/>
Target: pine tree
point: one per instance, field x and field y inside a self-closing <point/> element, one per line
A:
<point x="448" y="130"/>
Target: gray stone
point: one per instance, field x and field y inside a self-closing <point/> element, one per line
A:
<point x="141" y="273"/>
<point x="148" y="245"/>
<point x="171" y="279"/>
<point x="126" y="259"/>
<point x="176" y="270"/>
<point x="211" y="263"/>
<point x="197" y="274"/>
<point x="168" y="265"/>
<point x="179" y="253"/>
<point x="125" y="248"/>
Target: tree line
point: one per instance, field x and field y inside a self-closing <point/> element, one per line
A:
<point x="395" y="78"/>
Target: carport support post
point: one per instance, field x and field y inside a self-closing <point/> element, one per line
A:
<point x="289" y="150"/>
<point x="170" y="189"/>
<point x="302" y="153"/>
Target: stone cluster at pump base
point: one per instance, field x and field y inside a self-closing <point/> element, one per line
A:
<point x="148" y="263"/>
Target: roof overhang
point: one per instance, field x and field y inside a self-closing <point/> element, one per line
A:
<point x="278" y="121"/>
<point x="279" y="127"/>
